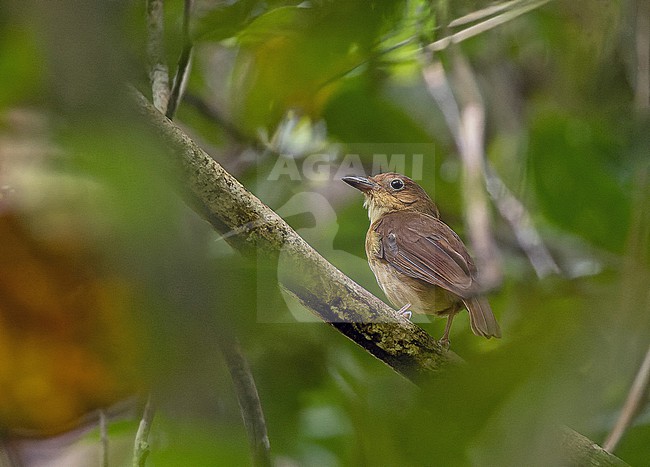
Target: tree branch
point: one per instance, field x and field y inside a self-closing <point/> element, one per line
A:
<point x="581" y="451"/>
<point x="252" y="227"/>
<point x="318" y="285"/>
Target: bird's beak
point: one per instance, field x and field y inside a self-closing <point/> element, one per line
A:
<point x="360" y="183"/>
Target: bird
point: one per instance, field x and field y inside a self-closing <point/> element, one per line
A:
<point x="419" y="262"/>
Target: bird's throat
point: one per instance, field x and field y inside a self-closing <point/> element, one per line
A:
<point x="375" y="210"/>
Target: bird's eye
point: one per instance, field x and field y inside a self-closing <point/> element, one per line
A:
<point x="396" y="184"/>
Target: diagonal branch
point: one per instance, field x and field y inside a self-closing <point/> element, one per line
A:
<point x="633" y="404"/>
<point x="638" y="244"/>
<point x="252" y="227"/>
<point x="323" y="289"/>
<point x="581" y="451"/>
<point x="485" y="25"/>
<point x="515" y="213"/>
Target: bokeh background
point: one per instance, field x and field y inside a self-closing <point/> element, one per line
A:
<point x="111" y="286"/>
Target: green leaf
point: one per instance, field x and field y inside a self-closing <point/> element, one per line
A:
<point x="278" y="22"/>
<point x="227" y="21"/>
<point x="579" y="181"/>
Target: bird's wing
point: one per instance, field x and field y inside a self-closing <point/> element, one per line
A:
<point x="425" y="248"/>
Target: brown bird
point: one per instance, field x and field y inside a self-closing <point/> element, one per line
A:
<point x="419" y="262"/>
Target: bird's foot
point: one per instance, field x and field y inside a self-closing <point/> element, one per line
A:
<point x="404" y="311"/>
<point x="444" y="340"/>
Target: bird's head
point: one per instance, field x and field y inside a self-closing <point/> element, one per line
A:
<point x="392" y="192"/>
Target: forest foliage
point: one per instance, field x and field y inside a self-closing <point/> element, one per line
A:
<point x="288" y="96"/>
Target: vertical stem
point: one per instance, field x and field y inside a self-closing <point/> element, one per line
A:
<point x="141" y="450"/>
<point x="249" y="402"/>
<point x="471" y="137"/>
<point x="642" y="85"/>
<point x="158" y="71"/>
<point x="183" y="63"/>
<point x="159" y="76"/>
<point x="465" y="117"/>
<point x="103" y="437"/>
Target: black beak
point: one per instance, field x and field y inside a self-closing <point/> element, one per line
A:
<point x="360" y="183"/>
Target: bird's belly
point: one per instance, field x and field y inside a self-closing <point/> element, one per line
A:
<point x="401" y="289"/>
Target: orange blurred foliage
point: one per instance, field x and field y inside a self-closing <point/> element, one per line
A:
<point x="68" y="339"/>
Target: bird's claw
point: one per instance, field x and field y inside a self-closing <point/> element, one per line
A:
<point x="404" y="311"/>
<point x="444" y="342"/>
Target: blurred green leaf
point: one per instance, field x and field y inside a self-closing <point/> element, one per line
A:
<point x="226" y="20"/>
<point x="277" y="22"/>
<point x="21" y="73"/>
<point x="579" y="180"/>
<point x="634" y="446"/>
<point x="291" y="60"/>
<point x="199" y="444"/>
<point x="358" y="114"/>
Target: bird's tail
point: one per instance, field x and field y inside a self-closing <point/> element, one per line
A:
<point x="481" y="318"/>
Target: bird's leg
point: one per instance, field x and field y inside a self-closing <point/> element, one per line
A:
<point x="444" y="340"/>
<point x="404" y="311"/>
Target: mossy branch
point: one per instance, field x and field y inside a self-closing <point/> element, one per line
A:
<point x="252" y="227"/>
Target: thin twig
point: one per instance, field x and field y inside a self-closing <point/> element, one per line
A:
<point x="103" y="438"/>
<point x="633" y="404"/>
<point x="483" y="13"/>
<point x="513" y="211"/>
<point x="141" y="450"/>
<point x="477" y="212"/>
<point x="249" y="402"/>
<point x="158" y="70"/>
<point x="484" y="26"/>
<point x="635" y="284"/>
<point x="184" y="60"/>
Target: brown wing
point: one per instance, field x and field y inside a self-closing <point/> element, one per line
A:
<point x="425" y="248"/>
